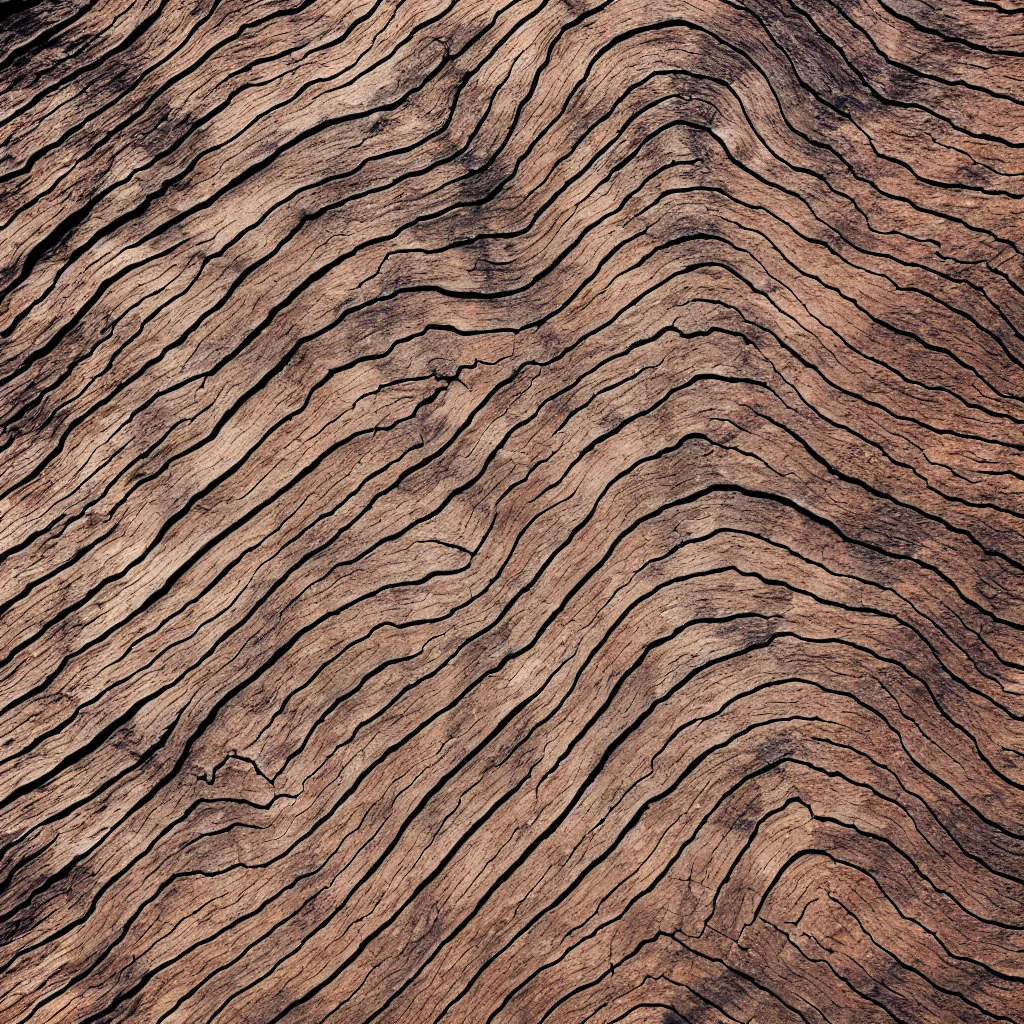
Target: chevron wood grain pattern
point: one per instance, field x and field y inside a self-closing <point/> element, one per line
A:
<point x="511" y="512"/>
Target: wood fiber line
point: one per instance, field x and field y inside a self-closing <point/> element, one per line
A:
<point x="511" y="512"/>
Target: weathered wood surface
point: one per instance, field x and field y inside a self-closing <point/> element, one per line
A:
<point x="511" y="512"/>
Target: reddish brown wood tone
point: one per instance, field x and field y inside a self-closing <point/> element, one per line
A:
<point x="511" y="512"/>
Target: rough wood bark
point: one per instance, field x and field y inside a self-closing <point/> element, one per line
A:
<point x="511" y="511"/>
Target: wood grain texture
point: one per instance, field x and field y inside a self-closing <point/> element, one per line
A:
<point x="511" y="512"/>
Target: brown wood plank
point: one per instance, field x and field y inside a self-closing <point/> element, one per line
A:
<point x="511" y="512"/>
